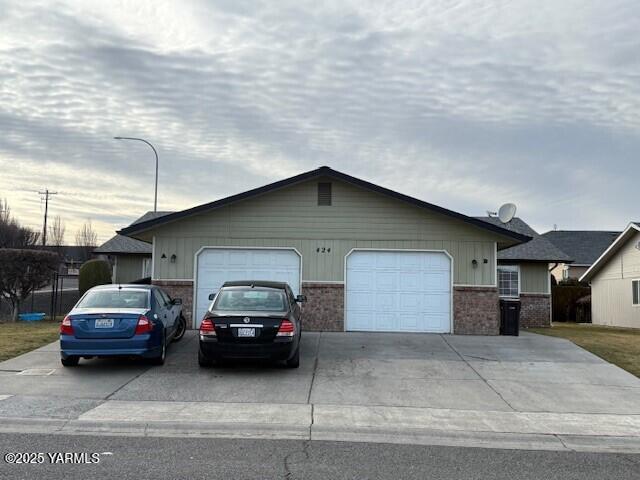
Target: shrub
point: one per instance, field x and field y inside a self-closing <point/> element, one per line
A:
<point x="564" y="298"/>
<point x="93" y="273"/>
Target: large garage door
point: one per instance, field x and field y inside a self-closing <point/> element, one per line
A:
<point x="398" y="291"/>
<point x="218" y="265"/>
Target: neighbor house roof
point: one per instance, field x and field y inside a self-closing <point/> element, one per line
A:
<point x="584" y="246"/>
<point x="71" y="253"/>
<point x="320" y="172"/>
<point x="632" y="229"/>
<point x="121" y="244"/>
<point x="538" y="249"/>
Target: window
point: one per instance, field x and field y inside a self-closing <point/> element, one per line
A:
<point x="635" y="285"/>
<point x="508" y="280"/>
<point x="251" y="300"/>
<point x="121" y="298"/>
<point x="324" y="194"/>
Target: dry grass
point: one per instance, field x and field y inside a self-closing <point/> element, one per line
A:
<point x="21" y="337"/>
<point x="620" y="346"/>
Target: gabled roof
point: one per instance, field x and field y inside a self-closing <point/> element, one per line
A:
<point x="319" y="172"/>
<point x="538" y="249"/>
<point x="584" y="246"/>
<point x="127" y="245"/>
<point x="629" y="232"/>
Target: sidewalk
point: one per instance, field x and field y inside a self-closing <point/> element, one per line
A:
<point x="408" y="425"/>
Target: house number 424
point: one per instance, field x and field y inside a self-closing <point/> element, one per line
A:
<point x="323" y="250"/>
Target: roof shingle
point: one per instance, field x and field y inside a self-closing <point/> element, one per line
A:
<point x="584" y="246"/>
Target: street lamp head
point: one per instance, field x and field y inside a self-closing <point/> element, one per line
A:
<point x="117" y="138"/>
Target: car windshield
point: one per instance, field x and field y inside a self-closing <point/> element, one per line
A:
<point x="120" y="298"/>
<point x="251" y="300"/>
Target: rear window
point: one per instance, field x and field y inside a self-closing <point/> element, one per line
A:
<point x="252" y="300"/>
<point x="115" y="299"/>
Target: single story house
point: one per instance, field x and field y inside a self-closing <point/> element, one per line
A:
<point x="615" y="281"/>
<point x="523" y="272"/>
<point x="367" y="258"/>
<point x="583" y="246"/>
<point x="130" y="259"/>
<point x="71" y="257"/>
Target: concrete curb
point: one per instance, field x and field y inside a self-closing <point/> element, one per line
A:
<point x="410" y="436"/>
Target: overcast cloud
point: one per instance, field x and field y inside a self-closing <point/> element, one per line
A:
<point x="465" y="104"/>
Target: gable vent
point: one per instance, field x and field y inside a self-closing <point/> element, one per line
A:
<point x="324" y="194"/>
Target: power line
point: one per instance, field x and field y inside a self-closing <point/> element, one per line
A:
<point x="46" y="194"/>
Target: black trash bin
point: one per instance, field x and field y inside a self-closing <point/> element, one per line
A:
<point x="509" y="317"/>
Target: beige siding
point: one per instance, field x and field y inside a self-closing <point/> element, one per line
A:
<point x="534" y="278"/>
<point x="611" y="303"/>
<point x="358" y="218"/>
<point x="611" y="294"/>
<point x="128" y="268"/>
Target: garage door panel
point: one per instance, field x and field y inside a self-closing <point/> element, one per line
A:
<point x="218" y="265"/>
<point x="410" y="291"/>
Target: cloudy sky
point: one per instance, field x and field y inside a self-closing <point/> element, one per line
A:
<point x="466" y="104"/>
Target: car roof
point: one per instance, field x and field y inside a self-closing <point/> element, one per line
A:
<point x="256" y="283"/>
<point x="113" y="286"/>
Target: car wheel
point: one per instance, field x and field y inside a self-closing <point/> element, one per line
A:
<point x="159" y="360"/>
<point x="181" y="329"/>
<point x="70" y="361"/>
<point x="294" y="362"/>
<point x="203" y="360"/>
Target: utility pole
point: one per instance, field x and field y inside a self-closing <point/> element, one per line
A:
<point x="46" y="194"/>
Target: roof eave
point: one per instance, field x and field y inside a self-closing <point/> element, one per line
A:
<point x="593" y="269"/>
<point x="322" y="171"/>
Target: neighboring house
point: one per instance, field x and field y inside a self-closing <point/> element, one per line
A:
<point x="367" y="258"/>
<point x="584" y="246"/>
<point x="615" y="281"/>
<point x="523" y="272"/>
<point x="130" y="259"/>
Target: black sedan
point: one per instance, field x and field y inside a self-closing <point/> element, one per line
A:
<point x="252" y="320"/>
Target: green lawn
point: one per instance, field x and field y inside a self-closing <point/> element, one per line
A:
<point x="20" y="337"/>
<point x="620" y="346"/>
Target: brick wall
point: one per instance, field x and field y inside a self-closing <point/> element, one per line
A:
<point x="324" y="309"/>
<point x="476" y="311"/>
<point x="182" y="289"/>
<point x="535" y="310"/>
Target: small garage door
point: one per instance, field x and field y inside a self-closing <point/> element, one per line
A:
<point x="218" y="265"/>
<point x="398" y="291"/>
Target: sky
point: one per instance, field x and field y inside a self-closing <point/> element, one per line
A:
<point x="465" y="104"/>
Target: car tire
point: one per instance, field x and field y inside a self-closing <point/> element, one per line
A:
<point x="180" y="331"/>
<point x="70" y="361"/>
<point x="203" y="360"/>
<point x="159" y="360"/>
<point x="294" y="361"/>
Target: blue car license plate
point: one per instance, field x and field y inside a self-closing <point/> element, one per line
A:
<point x="104" y="323"/>
<point x="246" y="332"/>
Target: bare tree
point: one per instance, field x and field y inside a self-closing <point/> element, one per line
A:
<point x="12" y="234"/>
<point x="56" y="232"/>
<point x="87" y="238"/>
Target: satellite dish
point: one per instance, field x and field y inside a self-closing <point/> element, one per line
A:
<point x="507" y="212"/>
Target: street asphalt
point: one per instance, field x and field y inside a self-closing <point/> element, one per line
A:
<point x="172" y="458"/>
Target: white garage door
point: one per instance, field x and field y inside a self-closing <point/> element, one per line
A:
<point x="218" y="265"/>
<point x="398" y="291"/>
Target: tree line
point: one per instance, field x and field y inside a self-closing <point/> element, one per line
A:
<point x="25" y="266"/>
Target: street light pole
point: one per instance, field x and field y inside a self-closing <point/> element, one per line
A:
<point x="155" y="201"/>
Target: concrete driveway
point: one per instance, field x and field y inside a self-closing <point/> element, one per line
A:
<point x="356" y="377"/>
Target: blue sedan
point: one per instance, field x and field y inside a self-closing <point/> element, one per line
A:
<point x="121" y="320"/>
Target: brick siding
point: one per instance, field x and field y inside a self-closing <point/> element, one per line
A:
<point x="324" y="309"/>
<point x="182" y="289"/>
<point x="535" y="310"/>
<point x="476" y="311"/>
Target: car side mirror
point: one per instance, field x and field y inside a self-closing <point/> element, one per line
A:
<point x="301" y="298"/>
<point x="177" y="301"/>
<point x="212" y="296"/>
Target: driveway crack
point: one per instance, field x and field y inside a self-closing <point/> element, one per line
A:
<point x="477" y="373"/>
<point x="315" y="368"/>
<point x="108" y="397"/>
